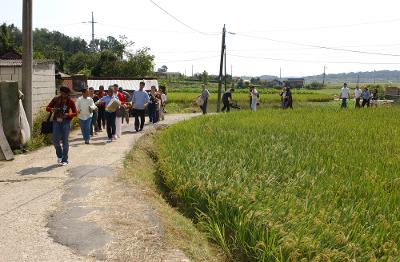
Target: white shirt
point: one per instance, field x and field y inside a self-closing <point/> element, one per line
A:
<point x="345" y="93"/>
<point x="83" y="105"/>
<point x="163" y="98"/>
<point x="357" y="93"/>
<point x="254" y="93"/>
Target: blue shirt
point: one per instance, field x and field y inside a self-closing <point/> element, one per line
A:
<point x="106" y="99"/>
<point x="139" y="99"/>
<point x="366" y="95"/>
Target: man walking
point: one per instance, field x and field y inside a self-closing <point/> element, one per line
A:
<point x="64" y="110"/>
<point x="344" y="95"/>
<point x="366" y="97"/>
<point x="140" y="100"/>
<point x="94" y="128"/>
<point x="227" y="99"/>
<point x="101" y="119"/>
<point x="109" y="102"/>
<point x="357" y="96"/>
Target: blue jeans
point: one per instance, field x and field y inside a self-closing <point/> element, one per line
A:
<point x="344" y="102"/>
<point x="85" y="128"/>
<point x="61" y="132"/>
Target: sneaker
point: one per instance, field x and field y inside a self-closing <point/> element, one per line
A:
<point x="109" y="140"/>
<point x="115" y="137"/>
<point x="141" y="129"/>
<point x="59" y="160"/>
<point x="87" y="142"/>
<point x="64" y="163"/>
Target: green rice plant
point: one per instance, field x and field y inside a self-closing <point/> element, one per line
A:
<point x="306" y="184"/>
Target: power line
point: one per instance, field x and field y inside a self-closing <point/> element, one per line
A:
<point x="324" y="27"/>
<point x="312" y="61"/>
<point x="318" y="46"/>
<point x="180" y="21"/>
<point x="187" y="60"/>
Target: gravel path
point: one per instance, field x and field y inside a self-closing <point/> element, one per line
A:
<point x="80" y="212"/>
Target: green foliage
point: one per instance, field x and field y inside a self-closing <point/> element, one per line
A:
<point x="304" y="185"/>
<point x="314" y="86"/>
<point x="204" y="77"/>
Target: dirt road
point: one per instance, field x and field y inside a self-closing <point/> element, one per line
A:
<point x="80" y="212"/>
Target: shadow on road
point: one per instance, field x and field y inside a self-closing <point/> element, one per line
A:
<point x="36" y="170"/>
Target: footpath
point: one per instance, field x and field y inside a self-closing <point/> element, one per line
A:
<point x="79" y="212"/>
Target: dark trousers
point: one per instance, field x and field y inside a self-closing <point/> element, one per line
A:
<point x="227" y="106"/>
<point x="152" y="113"/>
<point x="358" y="105"/>
<point x="101" y="118"/>
<point x="139" y="123"/>
<point x="61" y="133"/>
<point x="110" y="118"/>
<point x="204" y="107"/>
<point x="365" y="102"/>
<point x="344" y="103"/>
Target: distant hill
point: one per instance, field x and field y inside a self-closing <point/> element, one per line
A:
<point x="383" y="76"/>
<point x="268" y="77"/>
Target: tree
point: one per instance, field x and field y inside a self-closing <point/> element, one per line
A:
<point x="6" y="39"/>
<point x="204" y="77"/>
<point x="81" y="61"/>
<point x="139" y="64"/>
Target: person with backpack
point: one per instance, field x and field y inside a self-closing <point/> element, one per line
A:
<point x="64" y="110"/>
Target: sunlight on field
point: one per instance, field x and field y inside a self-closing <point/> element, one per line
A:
<point x="314" y="183"/>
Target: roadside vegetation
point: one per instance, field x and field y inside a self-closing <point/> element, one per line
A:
<point x="141" y="171"/>
<point x="309" y="184"/>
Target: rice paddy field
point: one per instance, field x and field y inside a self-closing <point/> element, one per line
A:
<point x="179" y="101"/>
<point x="310" y="184"/>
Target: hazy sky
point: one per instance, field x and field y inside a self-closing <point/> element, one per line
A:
<point x="269" y="34"/>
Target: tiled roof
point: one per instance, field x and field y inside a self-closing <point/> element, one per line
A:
<point x="125" y="84"/>
<point x="15" y="63"/>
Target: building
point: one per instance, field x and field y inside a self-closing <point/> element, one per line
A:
<point x="392" y="93"/>
<point x="295" y="82"/>
<point x="43" y="80"/>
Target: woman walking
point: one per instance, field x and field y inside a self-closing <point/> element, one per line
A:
<point x="254" y="97"/>
<point x="64" y="110"/>
<point x="153" y="104"/>
<point x="85" y="106"/>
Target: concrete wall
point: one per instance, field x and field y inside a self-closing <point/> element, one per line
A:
<point x="44" y="86"/>
<point x="43" y="82"/>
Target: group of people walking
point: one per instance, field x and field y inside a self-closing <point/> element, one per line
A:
<point x="366" y="96"/>
<point x="104" y="110"/>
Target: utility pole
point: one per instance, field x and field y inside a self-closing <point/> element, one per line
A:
<point x="221" y="66"/>
<point x="358" y="79"/>
<point x="225" y="66"/>
<point x="27" y="59"/>
<point x="280" y="73"/>
<point x="92" y="45"/>
<point x="323" y="80"/>
<point x="192" y="71"/>
<point x="374" y="75"/>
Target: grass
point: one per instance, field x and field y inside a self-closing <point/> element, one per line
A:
<point x="315" y="184"/>
<point x="140" y="170"/>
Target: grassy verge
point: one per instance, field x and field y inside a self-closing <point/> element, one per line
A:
<point x="313" y="184"/>
<point x="141" y="170"/>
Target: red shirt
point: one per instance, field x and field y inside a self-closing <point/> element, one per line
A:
<point x="121" y="98"/>
<point x="68" y="106"/>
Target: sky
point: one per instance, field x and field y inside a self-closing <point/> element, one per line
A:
<point x="294" y="38"/>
